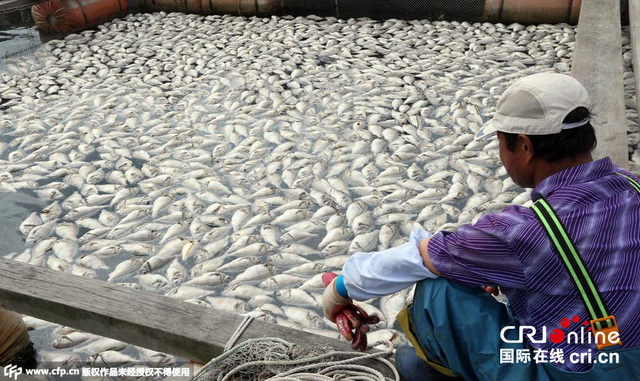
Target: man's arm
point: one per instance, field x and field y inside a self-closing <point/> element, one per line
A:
<point x="424" y="253"/>
<point x="369" y="275"/>
<point x="479" y="254"/>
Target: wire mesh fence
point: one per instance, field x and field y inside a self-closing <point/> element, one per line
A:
<point x="18" y="34"/>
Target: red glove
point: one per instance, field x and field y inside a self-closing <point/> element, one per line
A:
<point x="332" y="302"/>
<point x="352" y="321"/>
<point x="493" y="290"/>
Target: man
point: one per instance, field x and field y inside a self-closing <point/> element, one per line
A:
<point x="15" y="345"/>
<point x="567" y="265"/>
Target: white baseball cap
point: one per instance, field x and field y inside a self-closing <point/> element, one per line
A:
<point x="537" y="105"/>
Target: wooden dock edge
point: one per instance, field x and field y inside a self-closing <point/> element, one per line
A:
<point x="137" y="317"/>
<point x="597" y="64"/>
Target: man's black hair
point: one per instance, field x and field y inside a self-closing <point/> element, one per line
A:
<point x="26" y="358"/>
<point x="567" y="143"/>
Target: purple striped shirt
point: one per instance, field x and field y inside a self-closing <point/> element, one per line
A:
<point x="601" y="213"/>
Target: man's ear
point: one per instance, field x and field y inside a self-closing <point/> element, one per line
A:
<point x="525" y="146"/>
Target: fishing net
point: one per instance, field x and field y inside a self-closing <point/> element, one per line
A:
<point x="276" y="359"/>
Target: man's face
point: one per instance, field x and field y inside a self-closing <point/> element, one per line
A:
<point x="517" y="162"/>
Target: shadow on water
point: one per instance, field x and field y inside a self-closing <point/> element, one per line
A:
<point x="14" y="208"/>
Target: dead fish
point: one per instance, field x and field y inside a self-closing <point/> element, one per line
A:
<point x="67" y="230"/>
<point x="253" y="250"/>
<point x="253" y="273"/>
<point x="101" y="345"/>
<point x="40" y="248"/>
<point x="92" y="262"/>
<point x="30" y="223"/>
<point x="126" y="267"/>
<point x="176" y="272"/>
<point x="65" y="249"/>
<point x="40" y="232"/>
<point x="245" y="291"/>
<point x="286" y="259"/>
<point x="66" y="360"/>
<point x="157" y="359"/>
<point x="188" y="292"/>
<point x="296" y="297"/>
<point x="281" y="280"/>
<point x="303" y="316"/>
<point x="209" y="279"/>
<point x="307" y="269"/>
<point x="51" y="212"/>
<point x="228" y="304"/>
<point x="364" y="242"/>
<point x="153" y="281"/>
<point x="72" y="339"/>
<point x="155" y="262"/>
<point x="337" y="234"/>
<point x="289" y="216"/>
<point x="108" y="359"/>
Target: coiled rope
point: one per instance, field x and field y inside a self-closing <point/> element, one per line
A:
<point x="275" y="359"/>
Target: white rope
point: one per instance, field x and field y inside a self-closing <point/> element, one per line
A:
<point x="333" y="367"/>
<point x="279" y="359"/>
<point x="236" y="335"/>
<point x="358" y="372"/>
<point x="350" y="372"/>
<point x="341" y="366"/>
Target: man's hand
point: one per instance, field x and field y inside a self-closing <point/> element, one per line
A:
<point x="332" y="302"/>
<point x="352" y="321"/>
<point x="493" y="290"/>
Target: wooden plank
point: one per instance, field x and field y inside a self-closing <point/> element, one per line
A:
<point x="634" y="31"/>
<point x="137" y="317"/>
<point x="597" y="63"/>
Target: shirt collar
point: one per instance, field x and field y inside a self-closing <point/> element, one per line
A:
<point x="574" y="175"/>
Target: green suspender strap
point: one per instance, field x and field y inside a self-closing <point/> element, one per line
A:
<point x="575" y="267"/>
<point x="634" y="183"/>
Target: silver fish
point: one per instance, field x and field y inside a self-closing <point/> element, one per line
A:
<point x="72" y="339"/>
<point x="228" y="304"/>
<point x="126" y="267"/>
<point x="153" y="281"/>
<point x="187" y="292"/>
<point x="296" y="297"/>
<point x="208" y="279"/>
<point x="30" y="223"/>
<point x="281" y="280"/>
<point x="42" y="231"/>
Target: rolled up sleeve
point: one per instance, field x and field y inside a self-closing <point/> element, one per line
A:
<point x="478" y="254"/>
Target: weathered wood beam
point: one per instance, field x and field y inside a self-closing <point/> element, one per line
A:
<point x="137" y="317"/>
<point x="597" y="63"/>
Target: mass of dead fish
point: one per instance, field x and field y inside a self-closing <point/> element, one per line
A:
<point x="230" y="161"/>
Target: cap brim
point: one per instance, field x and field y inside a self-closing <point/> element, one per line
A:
<point x="486" y="131"/>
